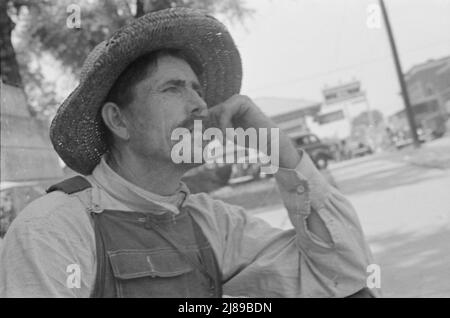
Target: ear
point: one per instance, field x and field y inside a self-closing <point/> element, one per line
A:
<point x="115" y="119"/>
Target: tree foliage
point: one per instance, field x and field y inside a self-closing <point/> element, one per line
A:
<point x="367" y="118"/>
<point x="43" y="32"/>
<point x="368" y="128"/>
<point x="9" y="68"/>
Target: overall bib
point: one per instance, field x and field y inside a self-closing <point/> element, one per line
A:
<point x="149" y="255"/>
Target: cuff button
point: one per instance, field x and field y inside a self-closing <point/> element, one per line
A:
<point x="301" y="189"/>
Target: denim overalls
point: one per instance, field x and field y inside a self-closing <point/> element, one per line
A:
<point x="149" y="255"/>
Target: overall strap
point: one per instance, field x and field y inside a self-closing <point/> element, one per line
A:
<point x="74" y="185"/>
<point x="100" y="284"/>
<point x="71" y="185"/>
<point x="211" y="264"/>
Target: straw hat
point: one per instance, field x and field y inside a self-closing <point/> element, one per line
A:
<point x="77" y="131"/>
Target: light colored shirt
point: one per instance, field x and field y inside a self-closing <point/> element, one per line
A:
<point x="324" y="255"/>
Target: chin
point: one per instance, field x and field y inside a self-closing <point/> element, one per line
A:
<point x="186" y="165"/>
<point x="189" y="166"/>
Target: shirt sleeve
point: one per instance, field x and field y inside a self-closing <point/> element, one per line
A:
<point x="47" y="253"/>
<point x="327" y="257"/>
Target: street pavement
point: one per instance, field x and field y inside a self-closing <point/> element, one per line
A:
<point x="404" y="209"/>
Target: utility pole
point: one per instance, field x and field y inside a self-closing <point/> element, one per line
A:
<point x="401" y="79"/>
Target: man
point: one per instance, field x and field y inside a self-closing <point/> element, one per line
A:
<point x="130" y="228"/>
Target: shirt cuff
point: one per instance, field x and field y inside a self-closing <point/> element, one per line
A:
<point x="300" y="179"/>
<point x="302" y="190"/>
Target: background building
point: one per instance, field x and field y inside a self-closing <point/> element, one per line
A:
<point x="290" y="114"/>
<point x="429" y="91"/>
<point x="28" y="162"/>
<point x="342" y="103"/>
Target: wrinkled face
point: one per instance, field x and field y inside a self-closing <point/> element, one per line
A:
<point x="169" y="97"/>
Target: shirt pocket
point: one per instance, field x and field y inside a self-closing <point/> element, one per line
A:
<point x="144" y="273"/>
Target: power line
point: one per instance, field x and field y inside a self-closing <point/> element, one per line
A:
<point x="401" y="78"/>
<point x="342" y="68"/>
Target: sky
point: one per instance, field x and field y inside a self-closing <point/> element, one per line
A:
<point x="294" y="48"/>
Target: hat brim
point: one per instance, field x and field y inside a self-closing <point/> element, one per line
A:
<point x="77" y="131"/>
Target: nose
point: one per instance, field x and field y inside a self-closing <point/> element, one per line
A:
<point x="197" y="105"/>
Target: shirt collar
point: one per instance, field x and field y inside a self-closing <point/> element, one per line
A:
<point x="135" y="197"/>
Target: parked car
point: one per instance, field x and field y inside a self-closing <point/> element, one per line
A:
<point x="361" y="150"/>
<point x="319" y="152"/>
<point x="404" y="138"/>
<point x="435" y="124"/>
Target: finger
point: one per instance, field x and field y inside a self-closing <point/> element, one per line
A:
<point x="231" y="104"/>
<point x="215" y="113"/>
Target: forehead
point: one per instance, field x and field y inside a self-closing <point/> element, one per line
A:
<point x="172" y="68"/>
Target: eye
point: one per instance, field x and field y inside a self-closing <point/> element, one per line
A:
<point x="171" y="89"/>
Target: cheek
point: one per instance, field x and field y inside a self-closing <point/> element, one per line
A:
<point x="167" y="119"/>
<point x="152" y="135"/>
<point x="141" y="130"/>
<point x="142" y="126"/>
<point x="154" y="124"/>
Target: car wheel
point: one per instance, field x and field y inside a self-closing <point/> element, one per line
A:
<point x="321" y="162"/>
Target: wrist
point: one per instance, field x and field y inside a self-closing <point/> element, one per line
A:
<point x="289" y="156"/>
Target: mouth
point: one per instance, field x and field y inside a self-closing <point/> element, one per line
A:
<point x="197" y="128"/>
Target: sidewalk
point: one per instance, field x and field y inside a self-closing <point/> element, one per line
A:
<point x="433" y="154"/>
<point x="403" y="203"/>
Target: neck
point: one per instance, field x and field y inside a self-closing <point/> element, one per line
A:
<point x="151" y="175"/>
